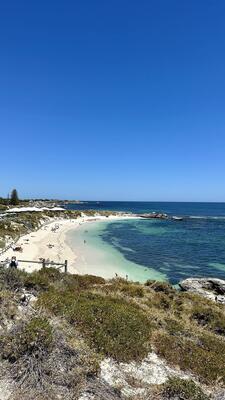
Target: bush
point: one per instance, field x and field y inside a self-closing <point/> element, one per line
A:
<point x="180" y="389"/>
<point x="132" y="290"/>
<point x="160" y="301"/>
<point x="11" y="279"/>
<point x="114" y="327"/>
<point x="42" y="279"/>
<point x="34" y="337"/>
<point x="209" y="317"/>
<point x="160" y="286"/>
<point x="204" y="356"/>
<point x="45" y="363"/>
<point x="8" y="307"/>
<point x="175" y="327"/>
<point x="3" y="201"/>
<point x="127" y="288"/>
<point x="75" y="282"/>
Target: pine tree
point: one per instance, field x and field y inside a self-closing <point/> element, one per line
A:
<point x="14" y="199"/>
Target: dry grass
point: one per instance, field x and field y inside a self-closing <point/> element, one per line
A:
<point x="47" y="360"/>
<point x="119" y="319"/>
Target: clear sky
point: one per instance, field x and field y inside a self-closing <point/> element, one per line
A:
<point x="113" y="100"/>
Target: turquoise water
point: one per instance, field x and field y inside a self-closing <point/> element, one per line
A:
<point x="97" y="257"/>
<point x="177" y="249"/>
<point x="164" y="249"/>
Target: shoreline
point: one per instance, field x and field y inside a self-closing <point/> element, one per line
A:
<point x="97" y="257"/>
<point x="36" y="244"/>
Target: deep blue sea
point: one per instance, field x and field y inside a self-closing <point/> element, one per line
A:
<point x="177" y="249"/>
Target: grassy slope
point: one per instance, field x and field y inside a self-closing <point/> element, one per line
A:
<point x="78" y="320"/>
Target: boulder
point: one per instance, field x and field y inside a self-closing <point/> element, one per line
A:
<point x="211" y="288"/>
<point x="154" y="215"/>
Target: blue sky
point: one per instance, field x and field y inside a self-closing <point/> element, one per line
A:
<point x="120" y="100"/>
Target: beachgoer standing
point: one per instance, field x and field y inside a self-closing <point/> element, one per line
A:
<point x="13" y="263"/>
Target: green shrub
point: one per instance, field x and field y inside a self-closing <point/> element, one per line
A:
<point x="34" y="337"/>
<point x="74" y="214"/>
<point x="75" y="282"/>
<point x="179" y="304"/>
<point x="42" y="279"/>
<point x="118" y="280"/>
<point x="180" y="389"/>
<point x="210" y="317"/>
<point x="127" y="288"/>
<point x="36" y="282"/>
<point x="150" y="282"/>
<point x="11" y="279"/>
<point x="160" y="286"/>
<point x="161" y="301"/>
<point x="114" y="327"/>
<point x="175" y="327"/>
<point x="204" y="355"/>
<point x="8" y="306"/>
<point x="46" y="277"/>
<point x="132" y="290"/>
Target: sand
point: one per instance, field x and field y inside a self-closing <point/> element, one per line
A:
<point x="36" y="244"/>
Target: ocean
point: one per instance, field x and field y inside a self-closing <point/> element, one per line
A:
<point x="162" y="249"/>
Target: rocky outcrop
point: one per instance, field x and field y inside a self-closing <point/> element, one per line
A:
<point x="211" y="288"/>
<point x="154" y="216"/>
<point x="135" y="378"/>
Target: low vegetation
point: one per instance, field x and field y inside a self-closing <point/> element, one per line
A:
<point x="53" y="347"/>
<point x="32" y="339"/>
<point x="3" y="202"/>
<point x="182" y="389"/>
<point x="12" y="226"/>
<point x="203" y="355"/>
<point x="112" y="326"/>
<point x="210" y="317"/>
<point x="123" y="286"/>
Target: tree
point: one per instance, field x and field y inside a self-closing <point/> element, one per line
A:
<point x="14" y="199"/>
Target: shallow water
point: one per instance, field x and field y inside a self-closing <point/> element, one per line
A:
<point x="98" y="257"/>
<point x="162" y="249"/>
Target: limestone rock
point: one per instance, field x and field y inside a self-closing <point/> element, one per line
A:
<point x="211" y="288"/>
<point x="150" y="371"/>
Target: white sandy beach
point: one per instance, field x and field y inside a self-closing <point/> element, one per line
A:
<point x="35" y="245"/>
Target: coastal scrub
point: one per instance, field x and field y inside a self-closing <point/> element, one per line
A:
<point x="113" y="326"/>
<point x="55" y="343"/>
<point x="204" y="355"/>
<point x="182" y="389"/>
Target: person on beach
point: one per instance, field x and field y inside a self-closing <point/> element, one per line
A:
<point x="13" y="263"/>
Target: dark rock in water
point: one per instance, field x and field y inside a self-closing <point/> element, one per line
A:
<point x="154" y="215"/>
<point x="211" y="288"/>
